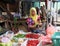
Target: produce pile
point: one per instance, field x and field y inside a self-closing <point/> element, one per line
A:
<point x="35" y="36"/>
<point x="20" y="36"/>
<point x="20" y="39"/>
<point x="32" y="42"/>
<point x="30" y="35"/>
<point x="30" y="39"/>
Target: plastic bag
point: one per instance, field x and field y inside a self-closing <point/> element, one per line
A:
<point x="45" y="40"/>
<point x="50" y="30"/>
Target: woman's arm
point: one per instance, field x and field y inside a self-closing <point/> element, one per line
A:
<point x="39" y="21"/>
<point x="31" y="26"/>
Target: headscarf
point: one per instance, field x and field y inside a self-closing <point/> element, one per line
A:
<point x="35" y="16"/>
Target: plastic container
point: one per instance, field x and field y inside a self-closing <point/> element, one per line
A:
<point x="56" y="39"/>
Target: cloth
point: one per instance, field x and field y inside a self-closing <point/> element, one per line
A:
<point x="36" y="31"/>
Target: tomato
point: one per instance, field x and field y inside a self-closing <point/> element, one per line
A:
<point x="32" y="42"/>
<point x="36" y="36"/>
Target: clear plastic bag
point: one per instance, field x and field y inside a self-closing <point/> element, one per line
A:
<point x="9" y="34"/>
<point x="50" y="29"/>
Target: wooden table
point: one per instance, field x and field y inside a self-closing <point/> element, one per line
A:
<point x="20" y="21"/>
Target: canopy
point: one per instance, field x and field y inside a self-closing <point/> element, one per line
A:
<point x="33" y="0"/>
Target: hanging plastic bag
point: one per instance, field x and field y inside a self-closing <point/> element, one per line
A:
<point x="50" y="29"/>
<point x="45" y="40"/>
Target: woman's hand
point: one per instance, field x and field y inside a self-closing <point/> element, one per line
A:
<point x="40" y="24"/>
<point x="31" y="26"/>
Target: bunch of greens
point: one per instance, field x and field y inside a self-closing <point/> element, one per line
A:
<point x="20" y="36"/>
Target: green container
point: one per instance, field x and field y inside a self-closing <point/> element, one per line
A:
<point x="56" y="39"/>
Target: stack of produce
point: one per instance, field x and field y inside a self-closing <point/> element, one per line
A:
<point x="32" y="42"/>
<point x="35" y="36"/>
<point x="19" y="41"/>
<point x="20" y="36"/>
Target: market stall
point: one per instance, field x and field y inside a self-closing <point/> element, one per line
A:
<point x="22" y="38"/>
<point x="41" y="32"/>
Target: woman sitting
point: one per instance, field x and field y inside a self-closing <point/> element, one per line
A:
<point x="33" y="21"/>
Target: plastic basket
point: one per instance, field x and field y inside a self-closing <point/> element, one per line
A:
<point x="56" y="39"/>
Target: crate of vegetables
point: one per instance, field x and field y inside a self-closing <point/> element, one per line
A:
<point x="33" y="42"/>
<point x="32" y="35"/>
<point x="19" y="42"/>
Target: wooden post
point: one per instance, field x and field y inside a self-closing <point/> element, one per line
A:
<point x="6" y="22"/>
<point x="46" y="2"/>
<point x="8" y="7"/>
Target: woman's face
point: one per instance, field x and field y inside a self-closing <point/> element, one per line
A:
<point x="33" y="12"/>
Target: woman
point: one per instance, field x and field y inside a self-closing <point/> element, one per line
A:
<point x="33" y="20"/>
